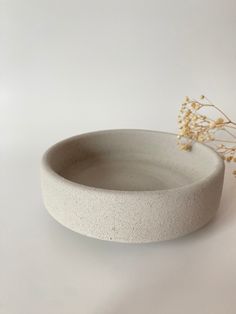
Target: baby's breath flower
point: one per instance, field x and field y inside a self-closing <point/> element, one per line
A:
<point x="186" y="147"/>
<point x="212" y="125"/>
<point x="195" y="106"/>
<point x="201" y="138"/>
<point x="219" y="121"/>
<point x="229" y="158"/>
<point x="195" y="126"/>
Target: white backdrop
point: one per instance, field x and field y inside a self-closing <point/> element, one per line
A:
<point x="74" y="66"/>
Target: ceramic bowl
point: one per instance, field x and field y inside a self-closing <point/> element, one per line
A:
<point x="131" y="185"/>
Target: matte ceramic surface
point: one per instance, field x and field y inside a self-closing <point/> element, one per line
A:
<point x="131" y="185"/>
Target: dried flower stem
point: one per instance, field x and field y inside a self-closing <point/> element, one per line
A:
<point x="194" y="126"/>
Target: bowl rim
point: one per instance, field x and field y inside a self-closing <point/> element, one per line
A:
<point x="220" y="166"/>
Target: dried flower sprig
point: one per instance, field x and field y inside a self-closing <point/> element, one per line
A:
<point x="196" y="126"/>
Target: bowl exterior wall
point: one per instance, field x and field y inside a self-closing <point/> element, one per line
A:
<point x="133" y="217"/>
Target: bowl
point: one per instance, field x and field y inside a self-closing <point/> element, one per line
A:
<point x="131" y="186"/>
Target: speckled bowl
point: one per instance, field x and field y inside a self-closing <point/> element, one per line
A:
<point x="131" y="185"/>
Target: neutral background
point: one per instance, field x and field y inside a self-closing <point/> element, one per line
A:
<point x="74" y="66"/>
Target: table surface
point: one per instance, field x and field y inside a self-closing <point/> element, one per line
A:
<point x="46" y="268"/>
<point x="75" y="66"/>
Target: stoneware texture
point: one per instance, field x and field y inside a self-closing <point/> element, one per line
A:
<point x="131" y="185"/>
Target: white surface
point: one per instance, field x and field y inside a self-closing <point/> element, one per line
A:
<point x="73" y="66"/>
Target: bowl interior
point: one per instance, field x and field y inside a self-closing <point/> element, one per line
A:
<point x="130" y="160"/>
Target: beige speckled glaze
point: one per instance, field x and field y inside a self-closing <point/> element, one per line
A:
<point x="131" y="185"/>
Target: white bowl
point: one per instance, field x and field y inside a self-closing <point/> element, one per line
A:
<point x="131" y="185"/>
